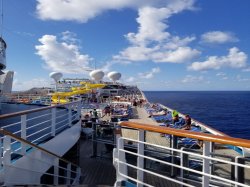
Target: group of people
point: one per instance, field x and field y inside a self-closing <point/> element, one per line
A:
<point x="92" y="115"/>
<point x="184" y="124"/>
<point x="117" y="109"/>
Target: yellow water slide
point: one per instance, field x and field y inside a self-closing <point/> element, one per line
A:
<point x="92" y="86"/>
<point x="63" y="97"/>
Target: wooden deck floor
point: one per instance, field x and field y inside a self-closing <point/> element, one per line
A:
<point x="96" y="171"/>
<point x="99" y="171"/>
<point x="141" y="116"/>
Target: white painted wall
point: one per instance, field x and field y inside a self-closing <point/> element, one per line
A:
<point x="22" y="173"/>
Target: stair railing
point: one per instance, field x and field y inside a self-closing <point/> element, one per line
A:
<point x="61" y="171"/>
<point x="23" y="132"/>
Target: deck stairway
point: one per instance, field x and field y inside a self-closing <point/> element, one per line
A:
<point x="33" y="143"/>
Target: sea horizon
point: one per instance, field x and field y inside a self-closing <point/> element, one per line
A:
<point x="226" y="111"/>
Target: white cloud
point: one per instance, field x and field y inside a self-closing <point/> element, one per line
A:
<point x="240" y="79"/>
<point x="149" y="75"/>
<point x="82" y="11"/>
<point x="246" y="69"/>
<point x="26" y="85"/>
<point x="153" y="43"/>
<point x="218" y="37"/>
<point x="220" y="74"/>
<point x="69" y="37"/>
<point x="62" y="56"/>
<point x="24" y="34"/>
<point x="152" y="27"/>
<point x="175" y="42"/>
<point x="234" y="59"/>
<point x="192" y="79"/>
<point x="135" y="53"/>
<point x="130" y="79"/>
<point x="180" y="55"/>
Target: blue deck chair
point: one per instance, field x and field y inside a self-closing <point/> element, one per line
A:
<point x="179" y="124"/>
<point x="189" y="142"/>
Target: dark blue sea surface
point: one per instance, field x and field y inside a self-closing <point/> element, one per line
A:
<point x="42" y="117"/>
<point x="226" y="111"/>
<point x="10" y="108"/>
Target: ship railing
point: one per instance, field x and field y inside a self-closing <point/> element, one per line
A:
<point x="212" y="164"/>
<point x="32" y="128"/>
<point x="57" y="169"/>
<point x="41" y="124"/>
<point x="26" y="98"/>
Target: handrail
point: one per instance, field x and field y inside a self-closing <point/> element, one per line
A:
<point x="7" y="133"/>
<point x="185" y="133"/>
<point x="4" y="116"/>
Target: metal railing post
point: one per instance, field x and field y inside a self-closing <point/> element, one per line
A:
<point x="94" y="144"/>
<point x="53" y="121"/>
<point x="184" y="164"/>
<point x="68" y="173"/>
<point x="23" y="132"/>
<point x="211" y="155"/>
<point x="6" y="150"/>
<point x="206" y="163"/>
<point x="117" y="133"/>
<point x="140" y="160"/>
<point x="56" y="171"/>
<point x="174" y="144"/>
<point x="1" y="150"/>
<point x="70" y="115"/>
<point x="6" y="156"/>
<point x="78" y="175"/>
<point x="239" y="171"/>
<point x="122" y="168"/>
<point x="79" y="107"/>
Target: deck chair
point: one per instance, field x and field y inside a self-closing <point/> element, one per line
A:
<point x="161" y="118"/>
<point x="188" y="143"/>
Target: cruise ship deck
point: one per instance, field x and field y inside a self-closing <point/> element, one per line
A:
<point x="99" y="170"/>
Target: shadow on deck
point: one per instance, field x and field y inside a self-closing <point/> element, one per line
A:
<point x="99" y="170"/>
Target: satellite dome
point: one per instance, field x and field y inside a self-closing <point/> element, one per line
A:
<point x="97" y="75"/>
<point x="56" y="76"/>
<point x="114" y="76"/>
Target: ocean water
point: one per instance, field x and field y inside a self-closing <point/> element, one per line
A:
<point x="226" y="111"/>
<point x="10" y="108"/>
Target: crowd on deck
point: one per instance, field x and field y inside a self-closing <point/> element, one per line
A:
<point x="172" y="119"/>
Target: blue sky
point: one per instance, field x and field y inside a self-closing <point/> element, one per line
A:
<point x="155" y="44"/>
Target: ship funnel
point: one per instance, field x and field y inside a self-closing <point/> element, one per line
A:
<point x="3" y="47"/>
